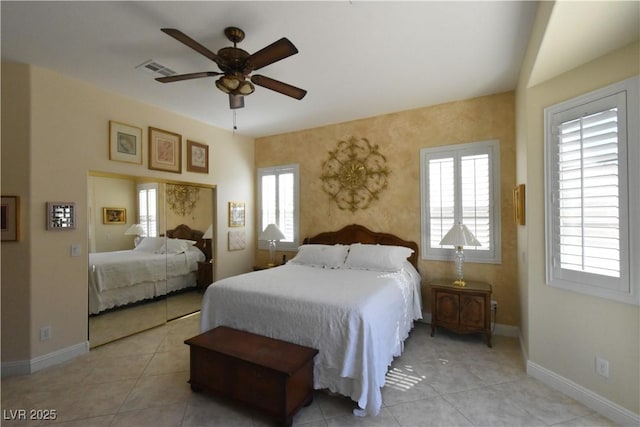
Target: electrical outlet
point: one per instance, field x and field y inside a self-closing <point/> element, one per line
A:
<point x="45" y="333"/>
<point x="602" y="367"/>
<point x="494" y="304"/>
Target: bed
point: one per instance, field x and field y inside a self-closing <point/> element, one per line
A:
<point x="352" y="294"/>
<point x="124" y="277"/>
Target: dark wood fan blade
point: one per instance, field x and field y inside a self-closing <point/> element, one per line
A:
<point x="185" y="39"/>
<point x="179" y="77"/>
<point x="276" y="51"/>
<point x="278" y="86"/>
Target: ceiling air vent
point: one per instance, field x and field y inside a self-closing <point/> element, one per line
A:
<point x="154" y="67"/>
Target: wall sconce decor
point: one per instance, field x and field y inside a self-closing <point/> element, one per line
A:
<point x="355" y="174"/>
<point x="61" y="216"/>
<point x="182" y="198"/>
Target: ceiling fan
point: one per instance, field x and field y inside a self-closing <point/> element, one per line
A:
<point x="236" y="65"/>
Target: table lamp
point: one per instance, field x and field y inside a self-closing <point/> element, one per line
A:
<point x="459" y="236"/>
<point x="135" y="230"/>
<point x="272" y="234"/>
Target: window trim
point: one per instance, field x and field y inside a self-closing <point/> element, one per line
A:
<point x="492" y="147"/>
<point x="627" y="288"/>
<point x="281" y="246"/>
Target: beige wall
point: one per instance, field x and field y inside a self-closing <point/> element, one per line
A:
<point x="564" y="330"/>
<point x="400" y="137"/>
<point x="57" y="128"/>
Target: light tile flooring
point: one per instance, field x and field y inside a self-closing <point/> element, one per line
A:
<point x="447" y="380"/>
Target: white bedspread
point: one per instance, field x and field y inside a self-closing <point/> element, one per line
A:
<point x="357" y="319"/>
<point x="119" y="269"/>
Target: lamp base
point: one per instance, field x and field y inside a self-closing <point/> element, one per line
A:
<point x="460" y="283"/>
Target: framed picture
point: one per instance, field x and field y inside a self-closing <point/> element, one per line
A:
<point x="197" y="157"/>
<point x="165" y="150"/>
<point x="61" y="216"/>
<point x="236" y="214"/>
<point x="518" y="204"/>
<point x="125" y="143"/>
<point x="114" y="216"/>
<point x="10" y="218"/>
<point x="237" y="240"/>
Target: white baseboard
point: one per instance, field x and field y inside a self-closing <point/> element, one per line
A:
<point x="583" y="395"/>
<point x="25" y="367"/>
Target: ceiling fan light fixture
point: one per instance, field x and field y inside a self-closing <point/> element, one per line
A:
<point x="245" y="88"/>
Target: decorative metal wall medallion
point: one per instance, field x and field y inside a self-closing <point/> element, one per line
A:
<point x="355" y="174"/>
<point x="182" y="198"/>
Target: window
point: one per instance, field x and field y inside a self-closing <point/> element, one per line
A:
<point x="461" y="183"/>
<point x="148" y="208"/>
<point x="589" y="143"/>
<point x="278" y="202"/>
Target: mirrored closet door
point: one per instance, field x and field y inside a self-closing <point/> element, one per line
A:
<point x="150" y="252"/>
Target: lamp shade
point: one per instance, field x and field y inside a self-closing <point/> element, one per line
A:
<point x="459" y="235"/>
<point x="134" y="230"/>
<point x="271" y="232"/>
<point x="209" y="233"/>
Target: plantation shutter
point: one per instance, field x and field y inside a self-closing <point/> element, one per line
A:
<point x="588" y="230"/>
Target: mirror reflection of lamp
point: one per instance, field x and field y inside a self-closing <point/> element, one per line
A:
<point x="207" y="236"/>
<point x="272" y="234"/>
<point x="135" y="230"/>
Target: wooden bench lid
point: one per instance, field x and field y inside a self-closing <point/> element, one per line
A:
<point x="270" y="353"/>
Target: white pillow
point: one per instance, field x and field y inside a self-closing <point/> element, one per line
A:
<point x="377" y="257"/>
<point x="175" y="246"/>
<point x="325" y="256"/>
<point x="150" y="244"/>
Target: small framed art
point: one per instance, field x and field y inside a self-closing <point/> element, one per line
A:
<point x="10" y="218"/>
<point x="114" y="216"/>
<point x="61" y="216"/>
<point x="518" y="204"/>
<point x="125" y="142"/>
<point x="236" y="214"/>
<point x="197" y="157"/>
<point x="165" y="150"/>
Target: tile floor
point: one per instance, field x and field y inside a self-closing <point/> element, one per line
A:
<point x="448" y="380"/>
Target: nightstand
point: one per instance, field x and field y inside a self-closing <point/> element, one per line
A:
<point x="205" y="275"/>
<point x="461" y="309"/>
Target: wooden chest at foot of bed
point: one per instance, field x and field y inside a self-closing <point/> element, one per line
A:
<point x="273" y="376"/>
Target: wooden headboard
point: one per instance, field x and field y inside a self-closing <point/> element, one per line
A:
<point x="359" y="234"/>
<point x="185" y="232"/>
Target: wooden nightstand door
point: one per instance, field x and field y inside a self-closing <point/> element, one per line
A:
<point x="472" y="311"/>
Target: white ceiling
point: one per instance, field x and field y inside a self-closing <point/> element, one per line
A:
<point x="357" y="59"/>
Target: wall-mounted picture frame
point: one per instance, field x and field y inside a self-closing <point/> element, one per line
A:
<point x="197" y="157"/>
<point x="518" y="204"/>
<point x="165" y="150"/>
<point x="236" y="214"/>
<point x="237" y="240"/>
<point x="125" y="142"/>
<point x="61" y="216"/>
<point x="114" y="216"/>
<point x="10" y="218"/>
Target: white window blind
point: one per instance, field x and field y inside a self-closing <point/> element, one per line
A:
<point x="460" y="183"/>
<point x="589" y="200"/>
<point x="278" y="201"/>
<point x="148" y="208"/>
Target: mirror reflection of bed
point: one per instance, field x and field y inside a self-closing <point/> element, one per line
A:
<point x="137" y="287"/>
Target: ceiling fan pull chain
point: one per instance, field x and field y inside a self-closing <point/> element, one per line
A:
<point x="234" y="122"/>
